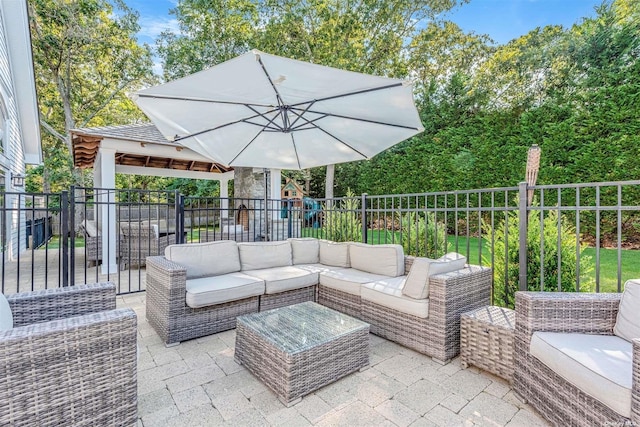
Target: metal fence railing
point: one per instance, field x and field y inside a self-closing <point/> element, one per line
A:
<point x="573" y="237"/>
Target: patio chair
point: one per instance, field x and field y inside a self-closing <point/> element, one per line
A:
<point x="143" y="239"/>
<point x="577" y="356"/>
<point x="93" y="242"/>
<point x="68" y="358"/>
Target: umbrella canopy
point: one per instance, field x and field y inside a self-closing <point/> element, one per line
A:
<point x="261" y="110"/>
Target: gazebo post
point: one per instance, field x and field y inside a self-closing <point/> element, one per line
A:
<point x="106" y="162"/>
<point x="224" y="198"/>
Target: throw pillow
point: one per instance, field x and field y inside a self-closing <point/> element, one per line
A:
<point x="417" y="283"/>
<point x="628" y="321"/>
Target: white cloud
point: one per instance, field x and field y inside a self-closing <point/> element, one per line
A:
<point x="152" y="26"/>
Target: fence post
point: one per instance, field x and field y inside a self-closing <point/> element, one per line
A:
<point x="64" y="236"/>
<point x="72" y="218"/>
<point x="524" y="219"/>
<point x="363" y="216"/>
<point x="179" y="217"/>
<point x="289" y="203"/>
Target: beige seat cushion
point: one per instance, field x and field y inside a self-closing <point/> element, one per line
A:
<point x="281" y="279"/>
<point x="306" y="250"/>
<point x="599" y="365"/>
<point x="259" y="255"/>
<point x="387" y="260"/>
<point x="205" y="259"/>
<point x="206" y="291"/>
<point x="334" y="254"/>
<point x="347" y="279"/>
<point x="388" y="293"/>
<point x="628" y="321"/>
<point x="417" y="285"/>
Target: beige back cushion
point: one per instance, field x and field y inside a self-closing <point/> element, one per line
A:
<point x="305" y="250"/>
<point x="628" y="321"/>
<point x="90" y="228"/>
<point x="206" y="259"/>
<point x="386" y="260"/>
<point x="417" y="284"/>
<point x="335" y="254"/>
<point x="257" y="255"/>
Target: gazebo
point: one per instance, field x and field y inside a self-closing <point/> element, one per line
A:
<point x="140" y="149"/>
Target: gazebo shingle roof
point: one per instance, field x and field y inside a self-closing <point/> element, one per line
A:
<point x="86" y="143"/>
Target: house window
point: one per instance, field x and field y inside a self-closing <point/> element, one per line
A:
<point x="294" y="193"/>
<point x="286" y="194"/>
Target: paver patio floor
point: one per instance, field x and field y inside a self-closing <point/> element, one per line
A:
<point x="198" y="383"/>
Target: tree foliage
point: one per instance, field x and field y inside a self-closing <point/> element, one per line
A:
<point x="86" y="62"/>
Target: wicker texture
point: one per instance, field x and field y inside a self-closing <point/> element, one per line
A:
<point x="341" y="301"/>
<point x="555" y="398"/>
<point x="292" y="361"/>
<point x="140" y="241"/>
<point x="438" y="335"/>
<point x="58" y="303"/>
<point x="78" y="370"/>
<point x="283" y="299"/>
<point x="486" y="340"/>
<point x="172" y="318"/>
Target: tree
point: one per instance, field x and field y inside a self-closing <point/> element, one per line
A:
<point x="86" y="60"/>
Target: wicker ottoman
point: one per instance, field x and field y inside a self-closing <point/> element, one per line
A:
<point x="486" y="340"/>
<point x="298" y="349"/>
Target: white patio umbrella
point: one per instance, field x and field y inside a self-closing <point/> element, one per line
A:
<point x="261" y="110"/>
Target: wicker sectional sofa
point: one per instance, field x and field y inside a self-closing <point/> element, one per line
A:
<point x="200" y="289"/>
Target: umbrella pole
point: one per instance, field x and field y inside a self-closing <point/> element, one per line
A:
<point x="266" y="209"/>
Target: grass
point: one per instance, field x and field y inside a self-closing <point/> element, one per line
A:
<point x="476" y="254"/>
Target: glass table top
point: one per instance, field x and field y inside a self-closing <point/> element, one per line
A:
<point x="300" y="327"/>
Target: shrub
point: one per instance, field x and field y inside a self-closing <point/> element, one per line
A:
<point x="506" y="274"/>
<point x="342" y="223"/>
<point x="423" y="235"/>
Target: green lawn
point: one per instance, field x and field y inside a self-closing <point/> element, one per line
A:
<point x="630" y="259"/>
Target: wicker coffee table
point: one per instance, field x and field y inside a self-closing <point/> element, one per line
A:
<point x="486" y="340"/>
<point x="298" y="349"/>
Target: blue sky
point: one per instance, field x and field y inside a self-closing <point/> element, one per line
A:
<point x="502" y="20"/>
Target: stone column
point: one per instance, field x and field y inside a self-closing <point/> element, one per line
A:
<point x="249" y="190"/>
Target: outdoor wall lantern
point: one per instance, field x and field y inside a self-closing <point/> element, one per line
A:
<point x="17" y="180"/>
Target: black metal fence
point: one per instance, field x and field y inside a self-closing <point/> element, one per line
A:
<point x="578" y="237"/>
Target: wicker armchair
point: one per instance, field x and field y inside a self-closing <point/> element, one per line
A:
<point x="93" y="243"/>
<point x="142" y="239"/>
<point x="70" y="359"/>
<point x="558" y="400"/>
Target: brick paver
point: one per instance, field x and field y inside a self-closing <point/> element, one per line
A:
<point x="199" y="383"/>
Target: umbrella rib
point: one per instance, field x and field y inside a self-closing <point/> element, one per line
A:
<point x="266" y="73"/>
<point x="339" y="140"/>
<point x="357" y="92"/>
<point x="212" y="101"/>
<point x="309" y="122"/>
<point x="253" y="139"/>
<point x="295" y="150"/>
<point x="291" y="126"/>
<point x="264" y="116"/>
<point x="245" y="119"/>
<point x="358" y="119"/>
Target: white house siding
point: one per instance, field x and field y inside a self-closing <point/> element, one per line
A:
<point x="13" y="158"/>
